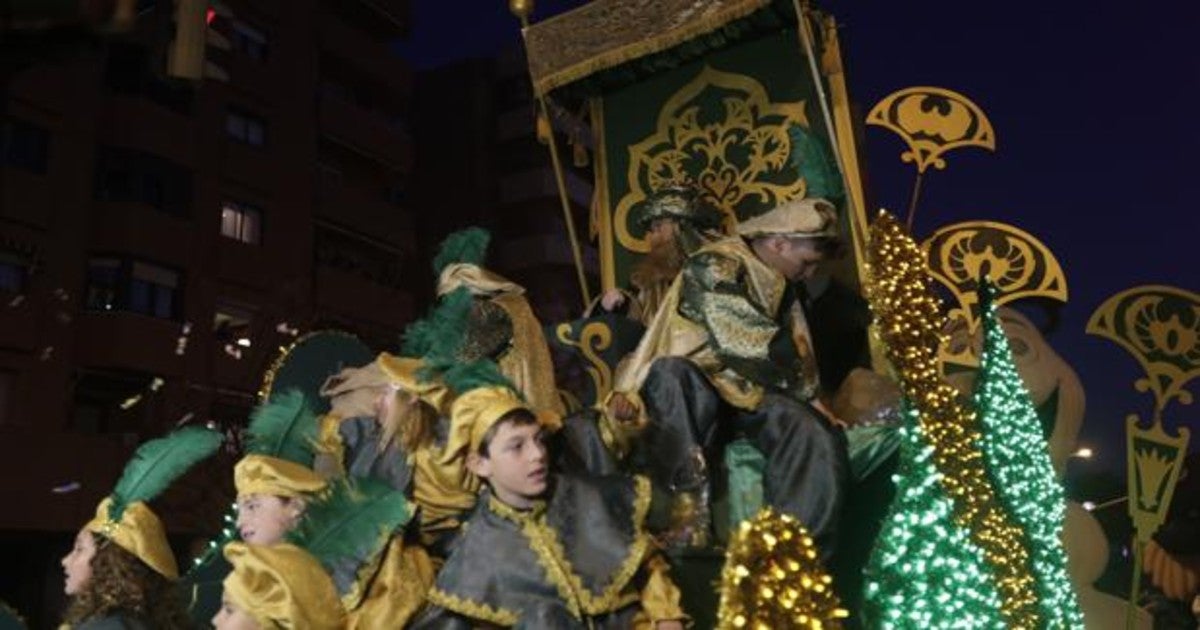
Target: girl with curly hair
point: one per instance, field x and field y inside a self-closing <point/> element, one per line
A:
<point x="111" y="588"/>
<point x="121" y="572"/>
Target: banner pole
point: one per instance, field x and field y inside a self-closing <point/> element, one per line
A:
<point x="560" y="181"/>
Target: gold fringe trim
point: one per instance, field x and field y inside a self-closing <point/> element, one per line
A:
<point x="552" y="556"/>
<point x="649" y="46"/>
<point x="474" y="610"/>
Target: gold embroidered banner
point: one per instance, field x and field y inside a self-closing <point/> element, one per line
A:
<point x="743" y="123"/>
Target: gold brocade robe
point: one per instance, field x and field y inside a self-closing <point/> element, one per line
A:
<point x="726" y="313"/>
<point x="527" y="362"/>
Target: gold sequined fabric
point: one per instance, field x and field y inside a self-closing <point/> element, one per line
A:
<point x="604" y="34"/>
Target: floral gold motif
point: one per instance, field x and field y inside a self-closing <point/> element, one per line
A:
<point x="738" y="153"/>
<point x="932" y="121"/>
<point x="1018" y="264"/>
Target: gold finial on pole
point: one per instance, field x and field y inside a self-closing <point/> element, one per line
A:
<point x="521" y="9"/>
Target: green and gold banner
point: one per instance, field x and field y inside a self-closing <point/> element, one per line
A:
<point x="743" y="123"/>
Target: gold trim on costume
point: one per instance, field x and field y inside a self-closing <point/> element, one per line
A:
<point x="594" y="337"/>
<point x="472" y="609"/>
<point x="551" y="554"/>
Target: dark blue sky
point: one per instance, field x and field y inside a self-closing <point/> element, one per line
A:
<point x="1094" y="105"/>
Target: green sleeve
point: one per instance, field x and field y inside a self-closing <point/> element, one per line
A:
<point x="714" y="294"/>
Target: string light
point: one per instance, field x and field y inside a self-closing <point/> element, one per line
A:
<point x="773" y="579"/>
<point x="1018" y="458"/>
<point x="925" y="571"/>
<point x="228" y="533"/>
<point x="910" y="322"/>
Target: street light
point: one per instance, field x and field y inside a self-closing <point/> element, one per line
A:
<point x="1083" y="453"/>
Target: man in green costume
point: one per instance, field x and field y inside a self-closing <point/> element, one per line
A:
<point x="728" y="354"/>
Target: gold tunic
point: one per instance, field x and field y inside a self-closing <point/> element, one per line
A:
<point x="725" y="313"/>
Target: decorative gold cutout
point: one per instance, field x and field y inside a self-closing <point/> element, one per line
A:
<point x="1160" y="326"/>
<point x="594" y="338"/>
<point x="1018" y="264"/>
<point x="932" y="121"/>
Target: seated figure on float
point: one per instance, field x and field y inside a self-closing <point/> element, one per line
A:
<point x="677" y="221"/>
<point x="729" y="353"/>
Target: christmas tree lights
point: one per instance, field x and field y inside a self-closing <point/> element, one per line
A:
<point x="925" y="572"/>
<point x="910" y="322"/>
<point x="1018" y="458"/>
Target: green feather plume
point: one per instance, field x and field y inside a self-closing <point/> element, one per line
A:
<point x="464" y="246"/>
<point x="158" y="463"/>
<point x="284" y="427"/>
<point x="463" y="377"/>
<point x="352" y="520"/>
<point x="443" y="329"/>
<point x="811" y="156"/>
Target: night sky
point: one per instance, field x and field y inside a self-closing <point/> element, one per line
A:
<point x="1095" y="112"/>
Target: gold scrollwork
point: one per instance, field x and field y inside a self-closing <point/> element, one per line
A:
<point x="738" y="156"/>
<point x="1160" y="326"/>
<point x="594" y="338"/>
<point x="1018" y="264"/>
<point x="932" y="121"/>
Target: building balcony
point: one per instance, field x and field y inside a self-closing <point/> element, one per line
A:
<point x="139" y="123"/>
<point x="349" y="294"/>
<point x="366" y="212"/>
<point x="382" y="19"/>
<point x="365" y="133"/>
<point x="246" y="265"/>
<point x="141" y="232"/>
<point x="369" y="56"/>
<point x="27" y="198"/>
<point x="18" y="326"/>
<point x="123" y="340"/>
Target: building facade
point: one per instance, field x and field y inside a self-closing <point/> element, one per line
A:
<point x="161" y="239"/>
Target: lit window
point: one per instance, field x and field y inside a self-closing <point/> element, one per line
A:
<point x="241" y="222"/>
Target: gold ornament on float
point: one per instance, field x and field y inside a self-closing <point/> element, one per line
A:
<point x="933" y="121"/>
<point x="1019" y="265"/>
<point x="1160" y="326"/>
<point x="521" y="8"/>
<point x="594" y="338"/>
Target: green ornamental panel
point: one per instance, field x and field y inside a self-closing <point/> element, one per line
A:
<point x="742" y="124"/>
